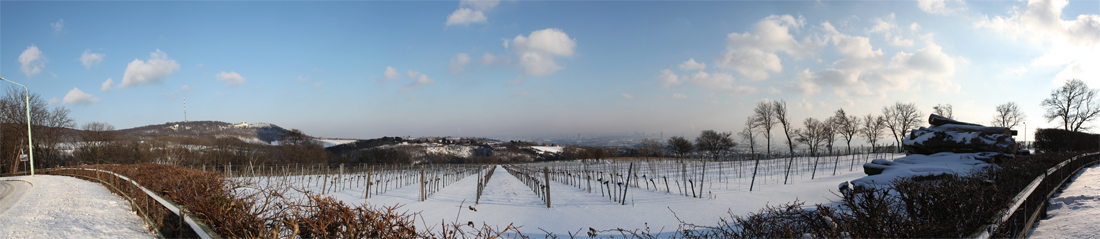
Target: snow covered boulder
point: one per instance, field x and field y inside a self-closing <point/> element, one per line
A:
<point x="946" y="135"/>
<point x="886" y="171"/>
<point x="946" y="147"/>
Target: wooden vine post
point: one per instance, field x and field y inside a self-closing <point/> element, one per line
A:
<point x="366" y="193"/>
<point x="546" y="175"/>
<point x="422" y="196"/>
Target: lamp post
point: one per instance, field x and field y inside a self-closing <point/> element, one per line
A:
<point x="1025" y="134"/>
<point x="30" y="146"/>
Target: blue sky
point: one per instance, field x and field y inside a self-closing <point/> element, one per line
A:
<point x="519" y="68"/>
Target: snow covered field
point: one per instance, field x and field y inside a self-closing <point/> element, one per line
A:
<point x="1074" y="213"/>
<point x="65" y="207"/>
<point x="506" y="200"/>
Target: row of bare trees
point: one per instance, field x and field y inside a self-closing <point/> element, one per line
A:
<point x="48" y="124"/>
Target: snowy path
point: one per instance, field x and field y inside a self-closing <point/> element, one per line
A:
<point x="66" y="207"/>
<point x="1074" y="212"/>
<point x="10" y="193"/>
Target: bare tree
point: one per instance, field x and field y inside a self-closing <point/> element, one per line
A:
<point x="714" y="143"/>
<point x="649" y="147"/>
<point x="847" y="126"/>
<point x="48" y="126"/>
<point x="813" y="134"/>
<point x="297" y="147"/>
<point x="1008" y="115"/>
<point x="13" y="115"/>
<point x="872" y="129"/>
<point x="900" y="118"/>
<point x="1073" y="103"/>
<point x="96" y="139"/>
<point x="764" y="118"/>
<point x="748" y="135"/>
<point x="944" y="110"/>
<point x="50" y="133"/>
<point x="781" y="117"/>
<point x="679" y="146"/>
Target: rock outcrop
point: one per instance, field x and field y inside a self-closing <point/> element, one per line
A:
<point x="947" y="135"/>
<point x="948" y="146"/>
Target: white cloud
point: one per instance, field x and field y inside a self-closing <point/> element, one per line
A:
<point x="805" y="104"/>
<point x="753" y="54"/>
<point x="391" y="73"/>
<point x="627" y="96"/>
<point x="479" y="4"/>
<point x="679" y="96"/>
<point x="53" y="101"/>
<point x="465" y="16"/>
<point x="488" y="58"/>
<point x="884" y="25"/>
<point x="306" y="79"/>
<point x="458" y="64"/>
<point x="521" y="93"/>
<point x="669" y="78"/>
<point x="898" y="41"/>
<point x="536" y="51"/>
<point x="865" y="71"/>
<point x="421" y="79"/>
<point x="1016" y="70"/>
<point x="151" y="71"/>
<point x="231" y="78"/>
<point x="32" y="61"/>
<point x="107" y="85"/>
<point x="471" y="12"/>
<point x="58" y="27"/>
<point x="1073" y="44"/>
<point x="185" y="87"/>
<point x="712" y="81"/>
<point x="940" y="6"/>
<point x="89" y="59"/>
<point x="692" y="65"/>
<point x="914" y="27"/>
<point x="78" y="97"/>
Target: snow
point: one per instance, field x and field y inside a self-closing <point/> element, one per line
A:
<point x="1073" y="213"/>
<point x="335" y="142"/>
<point x="506" y="200"/>
<point x="921" y="165"/>
<point x="66" y="207"/>
<point x="547" y="149"/>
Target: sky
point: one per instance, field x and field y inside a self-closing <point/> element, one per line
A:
<point x="366" y="69"/>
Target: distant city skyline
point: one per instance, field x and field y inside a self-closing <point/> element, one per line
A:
<point x="367" y="69"/>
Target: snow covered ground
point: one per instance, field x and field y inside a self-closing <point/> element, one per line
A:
<point x="1074" y="213"/>
<point x="65" y="207"/>
<point x="506" y="200"/>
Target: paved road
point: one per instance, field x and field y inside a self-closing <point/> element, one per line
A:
<point x="10" y="193"/>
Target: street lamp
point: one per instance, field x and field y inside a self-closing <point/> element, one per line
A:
<point x="30" y="146"/>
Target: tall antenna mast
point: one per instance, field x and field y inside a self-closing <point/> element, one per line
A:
<point x="185" y="109"/>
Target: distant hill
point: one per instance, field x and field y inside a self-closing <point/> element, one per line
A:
<point x="255" y="133"/>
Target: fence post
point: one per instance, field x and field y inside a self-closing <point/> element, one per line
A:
<point x="546" y="175"/>
<point x="422" y="198"/>
<point x="366" y="192"/>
